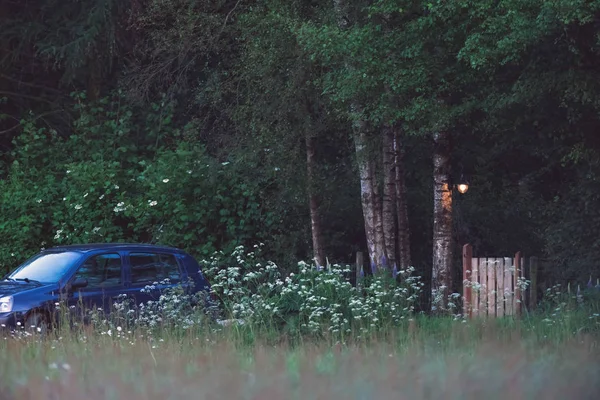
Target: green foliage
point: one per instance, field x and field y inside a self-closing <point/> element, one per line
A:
<point x="308" y="302"/>
<point x="121" y="177"/>
<point x="514" y="81"/>
<point x="65" y="35"/>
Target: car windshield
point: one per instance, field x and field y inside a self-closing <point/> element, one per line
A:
<point x="45" y="268"/>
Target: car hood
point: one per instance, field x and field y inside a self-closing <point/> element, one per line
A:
<point x="9" y="288"/>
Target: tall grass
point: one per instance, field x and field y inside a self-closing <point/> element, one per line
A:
<point x="307" y="335"/>
<point x="427" y="358"/>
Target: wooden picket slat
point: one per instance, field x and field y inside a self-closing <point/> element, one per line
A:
<point x="483" y="298"/>
<point x="476" y="283"/>
<point x="491" y="288"/>
<point x="509" y="297"/>
<point x="518" y="306"/>
<point x="508" y="288"/>
<point x="499" y="264"/>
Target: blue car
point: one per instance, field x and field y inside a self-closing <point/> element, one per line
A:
<point x="94" y="275"/>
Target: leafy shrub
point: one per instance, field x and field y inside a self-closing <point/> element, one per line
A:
<point x="120" y="175"/>
<point x="307" y="301"/>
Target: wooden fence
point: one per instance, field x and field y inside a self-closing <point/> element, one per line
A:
<point x="495" y="286"/>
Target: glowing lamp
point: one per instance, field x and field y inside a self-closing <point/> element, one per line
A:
<point x="463" y="185"/>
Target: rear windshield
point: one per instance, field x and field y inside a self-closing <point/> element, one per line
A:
<point x="46" y="268"/>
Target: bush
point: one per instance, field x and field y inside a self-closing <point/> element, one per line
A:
<point x="307" y="301"/>
<point x="119" y="176"/>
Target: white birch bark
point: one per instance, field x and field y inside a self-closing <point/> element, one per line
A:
<point x="371" y="205"/>
<point x="368" y="198"/>
<point x="441" y="278"/>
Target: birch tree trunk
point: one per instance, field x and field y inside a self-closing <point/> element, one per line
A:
<point x="313" y="201"/>
<point x="369" y="199"/>
<point x="441" y="279"/>
<point x="404" y="256"/>
<point x="389" y="196"/>
<point x="380" y="254"/>
<point x="371" y="202"/>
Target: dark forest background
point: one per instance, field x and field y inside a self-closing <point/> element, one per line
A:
<point x="209" y="124"/>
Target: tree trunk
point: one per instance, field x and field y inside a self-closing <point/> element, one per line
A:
<point x="441" y="278"/>
<point x="371" y="203"/>
<point x="315" y="222"/>
<point x="380" y="255"/>
<point x="389" y="197"/>
<point x="369" y="199"/>
<point x="404" y="255"/>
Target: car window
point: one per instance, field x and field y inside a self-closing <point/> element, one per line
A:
<point x="148" y="268"/>
<point x="46" y="268"/>
<point x="101" y="271"/>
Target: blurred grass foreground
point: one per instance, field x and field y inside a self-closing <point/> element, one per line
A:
<point x="426" y="359"/>
<point x="307" y="334"/>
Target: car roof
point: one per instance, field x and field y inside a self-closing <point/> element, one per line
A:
<point x="88" y="247"/>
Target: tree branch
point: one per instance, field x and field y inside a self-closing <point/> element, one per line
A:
<point x="26" y="96"/>
<point x="226" y="19"/>
<point x="35" y="119"/>
<point x="33" y="85"/>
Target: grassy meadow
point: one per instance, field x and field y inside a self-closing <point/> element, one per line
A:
<point x="425" y="358"/>
<point x="306" y="334"/>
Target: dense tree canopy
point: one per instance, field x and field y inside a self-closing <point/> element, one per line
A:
<point x="188" y="123"/>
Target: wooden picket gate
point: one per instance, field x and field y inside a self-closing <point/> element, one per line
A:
<point x="495" y="287"/>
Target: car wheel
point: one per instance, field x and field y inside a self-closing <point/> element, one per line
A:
<point x="37" y="323"/>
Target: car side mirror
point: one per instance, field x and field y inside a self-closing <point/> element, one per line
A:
<point x="79" y="283"/>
